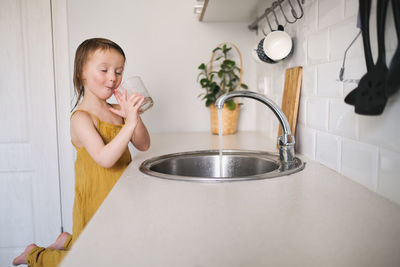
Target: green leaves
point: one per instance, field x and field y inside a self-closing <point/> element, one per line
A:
<point x="226" y="77"/>
<point x="202" y="66"/>
<point x="228" y="64"/>
<point x="230" y="104"/>
<point x="204" y="82"/>
<point x="210" y="101"/>
<point x="216" y="49"/>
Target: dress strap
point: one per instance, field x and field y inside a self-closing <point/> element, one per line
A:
<point x="91" y="114"/>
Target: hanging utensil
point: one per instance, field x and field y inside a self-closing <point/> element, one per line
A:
<point x="341" y="73"/>
<point x="393" y="77"/>
<point x="261" y="53"/>
<point x="260" y="46"/>
<point x="364" y="10"/>
<point x="277" y="44"/>
<point x="370" y="94"/>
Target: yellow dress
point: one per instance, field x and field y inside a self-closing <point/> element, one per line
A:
<point x="92" y="184"/>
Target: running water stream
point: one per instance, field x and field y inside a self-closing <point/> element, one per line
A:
<point x="220" y="142"/>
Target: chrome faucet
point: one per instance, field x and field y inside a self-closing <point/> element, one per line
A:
<point x="286" y="141"/>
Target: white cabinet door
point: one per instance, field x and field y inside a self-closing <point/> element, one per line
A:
<point x="29" y="191"/>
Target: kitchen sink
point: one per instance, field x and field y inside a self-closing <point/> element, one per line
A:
<point x="204" y="166"/>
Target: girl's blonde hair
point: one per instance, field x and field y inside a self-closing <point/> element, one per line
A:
<point x="82" y="54"/>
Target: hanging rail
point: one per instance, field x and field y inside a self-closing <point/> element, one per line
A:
<point x="275" y="4"/>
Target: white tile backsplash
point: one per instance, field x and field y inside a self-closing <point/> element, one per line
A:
<point x="342" y="119"/>
<point x="330" y="12"/>
<point x="350" y="8"/>
<point x="341" y="36"/>
<point x="318" y="47"/>
<point x="327" y="84"/>
<point x="360" y="162"/>
<point x="382" y="130"/>
<point x="309" y="83"/>
<point x="328" y="148"/>
<point x="305" y="140"/>
<point x="317" y="113"/>
<point x="302" y="116"/>
<point x="299" y="53"/>
<point x="364" y="148"/>
<point x="354" y="69"/>
<point x="389" y="174"/>
<point x="309" y="22"/>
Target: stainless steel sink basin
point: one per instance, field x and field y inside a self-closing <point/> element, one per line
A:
<point x="204" y="166"/>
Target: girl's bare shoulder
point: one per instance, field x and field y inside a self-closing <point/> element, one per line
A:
<point x="81" y="118"/>
<point x="82" y="124"/>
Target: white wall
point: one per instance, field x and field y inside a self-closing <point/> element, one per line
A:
<point x="164" y="43"/>
<point x="363" y="148"/>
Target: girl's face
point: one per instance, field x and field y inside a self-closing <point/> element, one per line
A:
<point x="102" y="72"/>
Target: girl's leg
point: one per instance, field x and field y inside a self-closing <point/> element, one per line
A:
<point x="45" y="257"/>
<point x="48" y="257"/>
<point x="21" y="259"/>
<point x="60" y="241"/>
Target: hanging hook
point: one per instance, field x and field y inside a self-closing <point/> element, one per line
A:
<point x="275" y="5"/>
<point x="294" y="13"/>
<point x="269" y="23"/>
<point x="283" y="13"/>
<point x="276" y="18"/>
<point x="262" y="29"/>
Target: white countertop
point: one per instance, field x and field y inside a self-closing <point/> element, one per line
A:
<point x="312" y="218"/>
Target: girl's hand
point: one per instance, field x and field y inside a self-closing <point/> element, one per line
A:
<point x="129" y="106"/>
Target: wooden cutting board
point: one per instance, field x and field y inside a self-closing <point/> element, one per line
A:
<point x="291" y="97"/>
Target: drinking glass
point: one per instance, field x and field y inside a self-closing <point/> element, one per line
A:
<point x="133" y="85"/>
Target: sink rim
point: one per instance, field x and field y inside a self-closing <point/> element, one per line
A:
<point x="148" y="163"/>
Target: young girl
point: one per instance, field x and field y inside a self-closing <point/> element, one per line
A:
<point x="100" y="132"/>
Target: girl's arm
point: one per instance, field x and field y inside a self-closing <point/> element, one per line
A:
<point x="84" y="130"/>
<point x="140" y="137"/>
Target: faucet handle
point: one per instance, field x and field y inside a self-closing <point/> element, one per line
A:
<point x="286" y="150"/>
<point x="286" y="139"/>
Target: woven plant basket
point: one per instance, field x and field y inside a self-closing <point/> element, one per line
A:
<point x="229" y="120"/>
<point x="229" y="117"/>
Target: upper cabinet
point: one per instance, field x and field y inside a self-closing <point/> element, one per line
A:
<point x="226" y="10"/>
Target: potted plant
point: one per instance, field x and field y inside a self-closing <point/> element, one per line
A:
<point x="227" y="78"/>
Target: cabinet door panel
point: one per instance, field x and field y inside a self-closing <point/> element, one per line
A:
<point x="29" y="174"/>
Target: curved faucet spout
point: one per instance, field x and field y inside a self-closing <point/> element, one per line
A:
<point x="286" y="140"/>
<point x="257" y="96"/>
